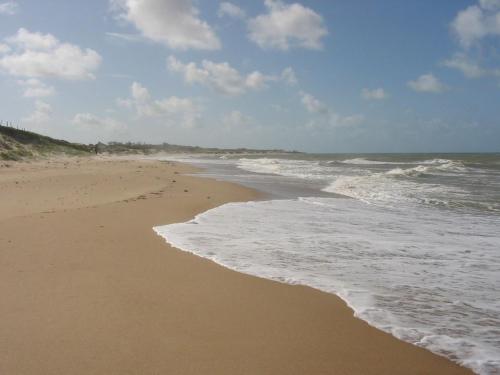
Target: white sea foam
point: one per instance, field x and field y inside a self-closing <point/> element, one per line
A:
<point x="437" y="161"/>
<point x="411" y="172"/>
<point x="390" y="187"/>
<point x="382" y="189"/>
<point x="284" y="167"/>
<point x="363" y="161"/>
<point x="430" y="168"/>
<point x="316" y="170"/>
<point x="415" y="253"/>
<point x="402" y="275"/>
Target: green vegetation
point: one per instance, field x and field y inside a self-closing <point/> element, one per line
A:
<point x="17" y="144"/>
<point x="144" y="148"/>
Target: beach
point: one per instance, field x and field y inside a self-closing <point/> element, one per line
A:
<point x="88" y="287"/>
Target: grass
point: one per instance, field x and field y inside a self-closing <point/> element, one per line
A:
<point x="17" y="144"/>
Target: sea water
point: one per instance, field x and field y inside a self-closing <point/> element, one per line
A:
<point x="410" y="242"/>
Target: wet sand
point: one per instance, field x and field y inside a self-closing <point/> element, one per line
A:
<point x="87" y="287"/>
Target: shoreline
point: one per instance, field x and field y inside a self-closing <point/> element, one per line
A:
<point x="104" y="294"/>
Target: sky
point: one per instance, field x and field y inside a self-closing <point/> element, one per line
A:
<point x="312" y="75"/>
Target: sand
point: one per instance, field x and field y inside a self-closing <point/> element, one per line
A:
<point x="87" y="287"/>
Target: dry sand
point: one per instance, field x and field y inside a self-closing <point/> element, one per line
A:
<point x="87" y="287"/>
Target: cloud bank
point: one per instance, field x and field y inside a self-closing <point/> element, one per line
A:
<point x="286" y="26"/>
<point x="37" y="55"/>
<point x="173" y="110"/>
<point x="174" y="23"/>
<point x="427" y="83"/>
<point x="223" y="78"/>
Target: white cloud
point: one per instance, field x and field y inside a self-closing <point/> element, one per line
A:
<point x="230" y="10"/>
<point x="41" y="114"/>
<point x="32" y="41"/>
<point x="427" y="83"/>
<point x="4" y="48"/>
<point x="465" y="65"/>
<point x="468" y="25"/>
<point x="257" y="81"/>
<point x="175" y="23"/>
<point x="476" y="22"/>
<point x="173" y="110"/>
<point x="472" y="26"/>
<point x="312" y="104"/>
<point x="139" y="93"/>
<point x="288" y="76"/>
<point x="89" y="121"/>
<point x="124" y="103"/>
<point x="490" y="4"/>
<point x="374" y="94"/>
<point x="9" y="8"/>
<point x="34" y="88"/>
<point x="469" y="68"/>
<point x="125" y="37"/>
<point x="287" y="25"/>
<point x="221" y="77"/>
<point x="39" y="55"/>
<point x="329" y="118"/>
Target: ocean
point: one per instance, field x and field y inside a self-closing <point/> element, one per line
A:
<point x="410" y="241"/>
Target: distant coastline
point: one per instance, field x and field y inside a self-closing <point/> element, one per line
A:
<point x="18" y="144"/>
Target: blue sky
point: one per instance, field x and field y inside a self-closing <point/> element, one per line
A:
<point x="319" y="76"/>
